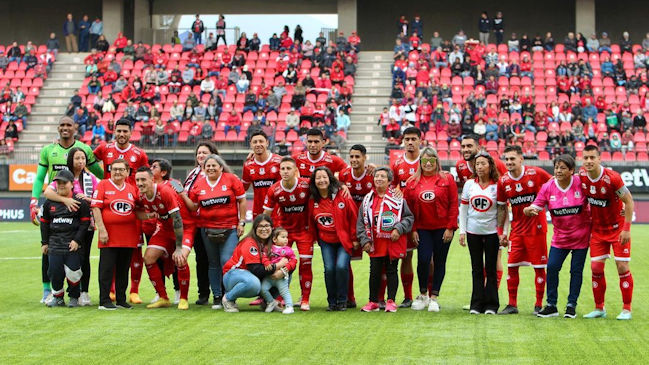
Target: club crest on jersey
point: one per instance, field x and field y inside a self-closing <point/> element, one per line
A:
<point x="121" y="207"/>
<point x="302" y="166"/>
<point x="273" y="169"/>
<point x="252" y="171"/>
<point x="161" y="205"/>
<point x="507" y="188"/>
<point x="311" y="168"/>
<point x="130" y="196"/>
<point x="281" y="199"/>
<point x="359" y="186"/>
<point x="606" y="179"/>
<point x="202" y="192"/>
<point x="530" y="183"/>
<point x="292" y="198"/>
<point x="400" y="171"/>
<point x="253" y="251"/>
<point x="316" y="205"/>
<point x="109" y="154"/>
<point x="341" y="205"/>
<point x="325" y="219"/>
<point x="519" y="187"/>
<point x="427" y="195"/>
<point x="224" y="188"/>
<point x="593" y="190"/>
<point x="583" y="185"/>
<point x="262" y="171"/>
<point x="411" y="171"/>
<point x="120" y="156"/>
<point x="133" y="159"/>
<point x="302" y="195"/>
<point x="553" y="198"/>
<point x="369" y="185"/>
<point x="481" y="203"/>
<point x="577" y="194"/>
<point x="603" y="190"/>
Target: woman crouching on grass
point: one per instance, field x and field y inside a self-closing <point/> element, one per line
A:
<point x="250" y="264"/>
<point x="382" y="224"/>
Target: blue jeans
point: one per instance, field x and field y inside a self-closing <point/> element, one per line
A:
<point x="336" y="272"/>
<point x="431" y="247"/>
<point x="217" y="255"/>
<point x="555" y="261"/>
<point x="282" y="286"/>
<point x="236" y="128"/>
<point x="197" y="38"/>
<point x="240" y="283"/>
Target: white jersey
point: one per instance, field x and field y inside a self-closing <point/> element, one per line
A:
<point x="480" y="207"/>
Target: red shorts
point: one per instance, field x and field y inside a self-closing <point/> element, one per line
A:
<point x="189" y="231"/>
<point x="304" y="244"/>
<point x="163" y="240"/>
<point x="600" y="246"/>
<point x="528" y="250"/>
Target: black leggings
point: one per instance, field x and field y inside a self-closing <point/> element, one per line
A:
<point x="220" y="36"/>
<point x="431" y="245"/>
<point x="58" y="273"/>
<point x="484" y="255"/>
<point x="377" y="265"/>
<point x="84" y="255"/>
<point x="202" y="279"/>
<point x="45" y="266"/>
<point x="115" y="260"/>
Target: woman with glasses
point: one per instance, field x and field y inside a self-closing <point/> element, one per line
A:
<point x="250" y="263"/>
<point x="433" y="201"/>
<point x="478" y="228"/>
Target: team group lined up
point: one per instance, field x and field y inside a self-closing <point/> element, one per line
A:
<point x="317" y="198"/>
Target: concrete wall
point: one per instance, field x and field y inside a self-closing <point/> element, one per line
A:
<point x="245" y="7"/>
<point x="614" y="17"/>
<point x="35" y="19"/>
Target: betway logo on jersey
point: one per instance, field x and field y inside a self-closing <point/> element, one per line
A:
<point x="215" y="201"/>
<point x="262" y="183"/>
<point x="566" y="211"/>
<point x="294" y="209"/>
<point x="602" y="203"/>
<point x="61" y="220"/>
<point x="522" y="199"/>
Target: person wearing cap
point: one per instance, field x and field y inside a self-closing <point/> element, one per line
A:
<point x="62" y="233"/>
<point x="605" y="43"/>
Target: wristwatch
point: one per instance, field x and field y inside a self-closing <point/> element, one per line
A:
<point x="242" y="223"/>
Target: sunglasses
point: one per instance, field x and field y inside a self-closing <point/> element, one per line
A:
<point x="427" y="160"/>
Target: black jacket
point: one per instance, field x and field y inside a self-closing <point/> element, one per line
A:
<point x="484" y="25"/>
<point x="59" y="226"/>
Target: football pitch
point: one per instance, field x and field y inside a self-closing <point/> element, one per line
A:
<point x="32" y="333"/>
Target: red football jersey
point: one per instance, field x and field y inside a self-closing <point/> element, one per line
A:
<point x="520" y="193"/>
<point x="118" y="213"/>
<point x="246" y="253"/>
<point x="261" y="175"/>
<point x="109" y="152"/>
<point x="604" y="195"/>
<point x="306" y="165"/>
<point x="403" y="169"/>
<point x="358" y="186"/>
<point x="324" y="218"/>
<point x="164" y="202"/>
<point x="218" y="207"/>
<point x="292" y="205"/>
<point x="464" y="171"/>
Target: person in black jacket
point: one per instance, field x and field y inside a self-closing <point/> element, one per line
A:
<point x="498" y="25"/>
<point x="62" y="231"/>
<point x="484" y="26"/>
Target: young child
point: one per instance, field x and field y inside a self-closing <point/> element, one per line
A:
<point x="62" y="231"/>
<point x="279" y="251"/>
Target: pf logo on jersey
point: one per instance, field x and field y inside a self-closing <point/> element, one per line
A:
<point x="427" y="195"/>
<point x="121" y="207"/>
<point x="481" y="203"/>
<point x="325" y="219"/>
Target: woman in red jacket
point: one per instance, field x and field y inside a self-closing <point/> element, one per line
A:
<point x="433" y="200"/>
<point x="250" y="263"/>
<point x="383" y="221"/>
<point x="332" y="218"/>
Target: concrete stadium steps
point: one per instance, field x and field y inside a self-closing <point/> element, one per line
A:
<point x="373" y="84"/>
<point x="68" y="73"/>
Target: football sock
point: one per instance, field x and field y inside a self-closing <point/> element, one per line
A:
<point x="136" y="270"/>
<point x="539" y="284"/>
<point x="47" y="286"/>
<point x="599" y="283"/>
<point x="406" y="280"/>
<point x="306" y="277"/>
<point x="512" y="285"/>
<point x="626" y="286"/>
<point x="155" y="275"/>
<point x="499" y="275"/>
<point x="183" y="281"/>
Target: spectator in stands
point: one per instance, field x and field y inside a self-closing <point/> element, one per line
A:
<point x="342" y="121"/>
<point x="98" y="133"/>
<point x="96" y="29"/>
<point x="200" y="113"/>
<point x="242" y="84"/>
<point x="243" y="43"/>
<point x="513" y="44"/>
<point x="84" y="33"/>
<point x="120" y="42"/>
<point x="81" y="121"/>
<point x="233" y="122"/>
<point x="480" y="128"/>
<point x="274" y="42"/>
<point x="484" y="27"/>
<point x="70" y="31"/>
<point x="592" y="44"/>
<point x="615" y="143"/>
<point x="14" y="53"/>
<point x="4" y="61"/>
<point x="102" y="44"/>
<point x="491" y="86"/>
<point x="290" y="75"/>
<point x="52" y="44"/>
<point x="207" y="86"/>
<point x="188" y="44"/>
<point x="292" y="122"/>
<point x="250" y="102"/>
<point x="459" y="39"/>
<point x="537" y="43"/>
<point x="94" y="85"/>
<point x="625" y="43"/>
<point x="197" y="30"/>
<point x="220" y="30"/>
<point x="141" y="51"/>
<point x="639" y="122"/>
<point x="393" y="129"/>
<point x="491" y="130"/>
<point x="12" y="131"/>
<point x="605" y="43"/>
<point x="129" y="51"/>
<point x="210" y="42"/>
<point x="188" y="76"/>
<point x="612" y="120"/>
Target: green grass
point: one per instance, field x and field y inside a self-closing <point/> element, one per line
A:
<point x="32" y="333"/>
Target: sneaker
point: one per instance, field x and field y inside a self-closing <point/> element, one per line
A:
<point x="271" y="306"/>
<point x="351" y="304"/>
<point x="433" y="306"/>
<point x="161" y="303"/>
<point x="217" y="306"/>
<point x="548" y="311"/>
<point x="624" y="315"/>
<point x="155" y="299"/>
<point x="229" y="306"/>
<point x="74" y="302"/>
<point x="391" y="306"/>
<point x="370" y="307"/>
<point x="570" y="312"/>
<point x="177" y="297"/>
<point x="490" y="311"/>
<point x="84" y="299"/>
<point x="183" y="304"/>
<point x="257" y="301"/>
<point x="107" y="306"/>
<point x="135" y="298"/>
<point x="406" y="303"/>
<point x="288" y="310"/>
<point x="537" y="309"/>
<point x="466" y="307"/>
<point x="124" y="305"/>
<point x="55" y="302"/>
<point x="597" y="313"/>
<point x="382" y="305"/>
<point x="332" y="308"/>
<point x="474" y="311"/>
<point x="112" y="296"/>
<point x="341" y="307"/>
<point x="509" y="309"/>
<point x="420" y="302"/>
<point x="202" y="300"/>
<point x="46" y="295"/>
<point x="304" y="306"/>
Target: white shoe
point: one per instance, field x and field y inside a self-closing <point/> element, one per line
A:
<point x="271" y="306"/>
<point x="489" y="311"/>
<point x="177" y="297"/>
<point x="228" y="306"/>
<point x="433" y="306"/>
<point x="288" y="310"/>
<point x="473" y="311"/>
<point x="155" y="299"/>
<point x="217" y="306"/>
<point x="420" y="302"/>
<point x="84" y="299"/>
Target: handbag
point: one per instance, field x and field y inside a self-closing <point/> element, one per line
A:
<point x="217" y="235"/>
